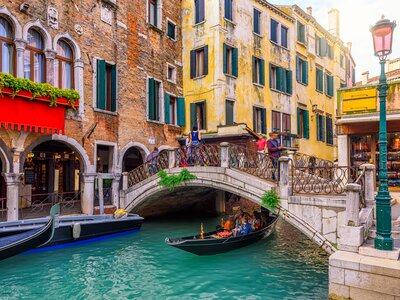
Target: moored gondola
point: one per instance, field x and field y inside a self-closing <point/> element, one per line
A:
<point x="20" y="242"/>
<point x="210" y="245"/>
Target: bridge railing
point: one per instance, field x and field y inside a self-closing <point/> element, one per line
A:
<point x="200" y="155"/>
<point x="252" y="162"/>
<point x="305" y="160"/>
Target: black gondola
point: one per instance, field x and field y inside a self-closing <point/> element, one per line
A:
<point x="17" y="243"/>
<point x="209" y="245"/>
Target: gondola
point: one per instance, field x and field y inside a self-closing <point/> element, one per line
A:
<point x="210" y="245"/>
<point x="17" y="243"/>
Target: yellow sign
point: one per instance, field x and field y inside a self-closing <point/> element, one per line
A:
<point x="359" y="100"/>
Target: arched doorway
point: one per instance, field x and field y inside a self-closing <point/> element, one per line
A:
<point x="51" y="172"/>
<point x="132" y="159"/>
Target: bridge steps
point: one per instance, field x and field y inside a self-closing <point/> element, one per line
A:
<point x="395" y="232"/>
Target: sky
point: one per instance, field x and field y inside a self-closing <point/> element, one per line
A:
<point x="356" y="17"/>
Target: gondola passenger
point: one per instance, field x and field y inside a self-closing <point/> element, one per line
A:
<point x="229" y="224"/>
<point x="243" y="229"/>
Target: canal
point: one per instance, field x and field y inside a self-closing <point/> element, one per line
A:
<point x="140" y="265"/>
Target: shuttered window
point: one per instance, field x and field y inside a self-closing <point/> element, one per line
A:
<point x="171" y="30"/>
<point x="301" y="32"/>
<point x="276" y="121"/>
<point x="199" y="11"/>
<point x="303" y="128"/>
<point x="319" y="80"/>
<point x="170" y="109"/>
<point x="284" y="36"/>
<point x="321" y="46"/>
<point x="153" y="99"/>
<point x="259" y="120"/>
<point x="199" y="62"/>
<point x="198" y="115"/>
<point x="320" y="128"/>
<point x="329" y="130"/>
<point x="301" y="70"/>
<point x="274" y="31"/>
<point x="258" y="71"/>
<point x="181" y="112"/>
<point x="153" y="12"/>
<point x="329" y="85"/>
<point x="257" y="21"/>
<point x="281" y="79"/>
<point x="106" y="86"/>
<point x="230" y="60"/>
<point x="229" y="10"/>
<point x="229" y="112"/>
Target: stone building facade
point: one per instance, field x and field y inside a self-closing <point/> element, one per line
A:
<point x="107" y="51"/>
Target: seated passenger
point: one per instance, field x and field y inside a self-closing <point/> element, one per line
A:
<point x="245" y="228"/>
<point x="229" y="224"/>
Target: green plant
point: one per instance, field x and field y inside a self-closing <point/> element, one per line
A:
<point x="37" y="89"/>
<point x="270" y="200"/>
<point x="172" y="181"/>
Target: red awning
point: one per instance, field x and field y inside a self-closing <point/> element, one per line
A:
<point x="20" y="113"/>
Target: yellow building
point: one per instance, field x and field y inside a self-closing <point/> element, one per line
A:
<point x="251" y="62"/>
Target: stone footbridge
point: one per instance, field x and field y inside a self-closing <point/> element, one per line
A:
<point x="314" y="193"/>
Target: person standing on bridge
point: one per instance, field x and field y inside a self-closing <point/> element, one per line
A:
<point x="152" y="160"/>
<point x="195" y="141"/>
<point x="273" y="151"/>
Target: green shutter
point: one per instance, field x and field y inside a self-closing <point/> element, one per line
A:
<point x="298" y="121"/>
<point x="101" y="84"/>
<point x="326" y="84"/>
<point x="114" y="88"/>
<point x="192" y="64"/>
<point x="289" y="84"/>
<point x="304" y="72"/>
<point x="235" y="62"/>
<point x="270" y="76"/>
<point x="204" y="115"/>
<point x="262" y="71"/>
<point x="180" y="104"/>
<point x="298" y="71"/>
<point x="229" y="110"/>
<point x="323" y="47"/>
<point x="156" y="13"/>
<point x="331" y="88"/>
<point x="263" y="121"/>
<point x="279" y="76"/>
<point x="167" y="102"/>
<point x="254" y="70"/>
<point x="151" y="100"/>
<point x="306" y="126"/>
<point x="205" y="60"/>
<point x="193" y="115"/>
<point x="323" y="128"/>
<point x="225" y="59"/>
<point x="254" y="119"/>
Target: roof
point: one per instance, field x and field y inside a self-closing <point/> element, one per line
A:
<point x="390" y="76"/>
<point x="276" y="9"/>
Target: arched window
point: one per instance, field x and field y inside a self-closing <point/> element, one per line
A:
<point x="63" y="67"/>
<point x="7" y="49"/>
<point x="34" y="60"/>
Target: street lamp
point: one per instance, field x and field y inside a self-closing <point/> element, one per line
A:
<point x="382" y="34"/>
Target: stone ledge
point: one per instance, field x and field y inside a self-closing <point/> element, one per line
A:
<point x="369" y="250"/>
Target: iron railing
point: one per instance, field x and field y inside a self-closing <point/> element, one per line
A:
<point x="148" y="169"/>
<point x="361" y="181"/>
<point x="39" y="205"/>
<point x="107" y="196"/>
<point x="309" y="161"/>
<point x="322" y="180"/>
<point x="199" y="155"/>
<point x="3" y="209"/>
<point x="253" y="162"/>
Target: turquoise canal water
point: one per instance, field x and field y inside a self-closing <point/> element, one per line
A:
<point x="141" y="266"/>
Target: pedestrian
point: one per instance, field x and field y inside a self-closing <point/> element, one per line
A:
<point x="195" y="141"/>
<point x="261" y="144"/>
<point x="273" y="151"/>
<point x="152" y="160"/>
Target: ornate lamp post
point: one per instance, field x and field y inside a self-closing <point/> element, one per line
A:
<point x="382" y="34"/>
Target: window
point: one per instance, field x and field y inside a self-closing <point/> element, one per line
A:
<point x="319" y="78"/>
<point x="199" y="11"/>
<point x="257" y="21"/>
<point x="258" y="71"/>
<point x="155" y="13"/>
<point x="301" y="32"/>
<point x="286" y="123"/>
<point x="301" y="70"/>
<point x="229" y="112"/>
<point x="63" y="66"/>
<point x="343" y="84"/>
<point x="7" y="50"/>
<point x="330" y="51"/>
<point x="329" y="130"/>
<point x="174" y="110"/>
<point x="104" y="161"/>
<point x="229" y="10"/>
<point x="274" y="31"/>
<point x="276" y="121"/>
<point x="320" y="128"/>
<point x="303" y="128"/>
<point x="328" y="85"/>
<point x="106" y="86"/>
<point x="198" y="115"/>
<point x="171" y="73"/>
<point x="279" y="34"/>
<point x="284" y="37"/>
<point x="280" y="79"/>
<point x="259" y="121"/>
<point x="153" y="99"/>
<point x="171" y="30"/>
<point x="34" y="60"/>
<point x="230" y="60"/>
<point x="341" y="61"/>
<point x="199" y="62"/>
<point x="320" y="46"/>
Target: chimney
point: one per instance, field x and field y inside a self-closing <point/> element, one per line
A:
<point x="349" y="45"/>
<point x="309" y="10"/>
<point x="365" y="77"/>
<point x="393" y="64"/>
<point x="334" y="26"/>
